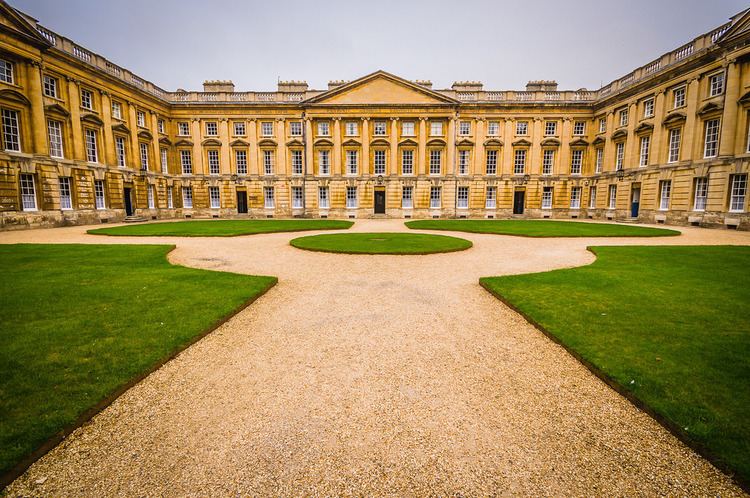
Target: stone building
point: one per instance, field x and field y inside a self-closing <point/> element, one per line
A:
<point x="87" y="141"/>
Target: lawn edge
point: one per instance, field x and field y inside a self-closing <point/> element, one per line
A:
<point x="93" y="231"/>
<point x="471" y="244"/>
<point x="670" y="426"/>
<point x="672" y="233"/>
<point x="23" y="465"/>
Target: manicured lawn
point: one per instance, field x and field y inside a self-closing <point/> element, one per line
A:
<point x="541" y="228"/>
<point x="220" y="228"/>
<point x="668" y="324"/>
<point x="80" y="321"/>
<point x="381" y="243"/>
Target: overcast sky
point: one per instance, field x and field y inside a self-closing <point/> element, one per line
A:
<point x="179" y="44"/>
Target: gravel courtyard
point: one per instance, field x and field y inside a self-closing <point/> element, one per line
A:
<point x="373" y="375"/>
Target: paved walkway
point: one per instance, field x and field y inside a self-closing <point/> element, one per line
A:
<point x="378" y="375"/>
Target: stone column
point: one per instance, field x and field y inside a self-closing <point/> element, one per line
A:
<point x="422" y="154"/>
<point x="535" y="153"/>
<point x="135" y="149"/>
<point x="657" y="152"/>
<point x="563" y="165"/>
<point x="450" y="154"/>
<point x="153" y="124"/>
<point x="224" y="153"/>
<point x="253" y="151"/>
<point x="691" y="148"/>
<point x="632" y="145"/>
<point x="395" y="162"/>
<point x="609" y="145"/>
<point x="197" y="149"/>
<point x="309" y="159"/>
<point x="479" y="159"/>
<point x="75" y="119"/>
<point x="281" y="168"/>
<point x="38" y="122"/>
<point x="729" y="116"/>
<point x="337" y="171"/>
<point x="506" y="165"/>
<point x="365" y="136"/>
<point x="108" y="136"/>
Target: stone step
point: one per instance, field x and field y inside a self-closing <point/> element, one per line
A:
<point x="135" y="219"/>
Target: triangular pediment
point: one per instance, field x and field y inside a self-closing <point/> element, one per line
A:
<point x="740" y="26"/>
<point x="21" y="25"/>
<point x="383" y="89"/>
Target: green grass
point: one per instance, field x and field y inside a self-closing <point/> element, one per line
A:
<point x="220" y="228"/>
<point x="381" y="243"/>
<point x="668" y="324"/>
<point x="541" y="228"/>
<point x="80" y="321"/>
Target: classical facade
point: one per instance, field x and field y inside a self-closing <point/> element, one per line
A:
<point x="87" y="141"/>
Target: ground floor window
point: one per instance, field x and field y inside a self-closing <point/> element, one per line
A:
<point x="187" y="197"/>
<point x="547" y="198"/>
<point x="66" y="200"/>
<point x="214" y="196"/>
<point x="170" y="202"/>
<point x="612" y="201"/>
<point x="491" y="199"/>
<point x="575" y="198"/>
<point x="99" y="194"/>
<point x="592" y="197"/>
<point x="407" y="197"/>
<point x="268" y="198"/>
<point x="665" y="189"/>
<point x="351" y="197"/>
<point x="28" y="193"/>
<point x="701" y="193"/>
<point x="151" y="201"/>
<point x="462" y="198"/>
<point x="435" y="197"/>
<point x="323" y="198"/>
<point x="297" y="198"/>
<point x="738" y="193"/>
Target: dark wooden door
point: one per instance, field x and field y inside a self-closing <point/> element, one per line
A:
<point x="380" y="202"/>
<point x="128" y="201"/>
<point x="518" y="198"/>
<point x="241" y="201"/>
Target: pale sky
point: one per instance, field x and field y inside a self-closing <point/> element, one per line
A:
<point x="181" y="43"/>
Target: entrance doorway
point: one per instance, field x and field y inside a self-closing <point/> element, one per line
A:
<point x="380" y="202"/>
<point x="241" y="202"/>
<point x="635" y="201"/>
<point x="518" y="201"/>
<point x="128" y="196"/>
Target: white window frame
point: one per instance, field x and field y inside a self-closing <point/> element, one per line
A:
<point x="298" y="197"/>
<point x="464" y="128"/>
<point x="352" y="162"/>
<point x="700" y="193"/>
<point x="547" y="194"/>
<point x="269" y="198"/>
<point x="183" y="129"/>
<point x="266" y="128"/>
<point x="54" y="133"/>
<point x="407" y="154"/>
<point x="550" y="128"/>
<point x="214" y="164"/>
<point x="7" y="71"/>
<point x="170" y="201"/>
<point x="140" y="118"/>
<point x="160" y="125"/>
<point x="679" y="97"/>
<point x="491" y="161"/>
<point x="576" y="161"/>
<point x="519" y="161"/>
<point x="619" y="155"/>
<point x="612" y="197"/>
<point x="665" y="193"/>
<point x="11" y="130"/>
<point x="164" y="159"/>
<point x="648" y="108"/>
<point x="716" y="84"/>
<point x="187" y="197"/>
<point x="49" y="86"/>
<point x="592" y="197"/>
<point x="186" y="161"/>
<point x="28" y="192"/>
<point x="268" y="162"/>
<point x="214" y="196"/>
<point x="351" y="197"/>
<point x="738" y="193"/>
<point x="493" y="128"/>
<point x="120" y="151"/>
<point x="379" y="129"/>
<point x="490" y="200"/>
<point x="66" y="194"/>
<point x="324" y="162"/>
<point x="239" y="129"/>
<point x="150" y="197"/>
<point x="462" y="197"/>
<point x="644" y="150"/>
<point x="297" y="165"/>
<point x="324" y="199"/>
<point x="712" y="128"/>
<point x="143" y="147"/>
<point x="379" y="161"/>
<point x="407" y="129"/>
<point x="240" y="161"/>
<point x="579" y="128"/>
<point x="436" y="162"/>
<point x="463" y="161"/>
<point x="212" y="129"/>
<point x="92" y="148"/>
<point x="436" y="128"/>
<point x="602" y="125"/>
<point x="522" y="127"/>
<point x="324" y="129"/>
<point x="599" y="159"/>
<point x="100" y="199"/>
<point x="548" y="161"/>
<point x="116" y="110"/>
<point x="575" y="197"/>
<point x="407" y="197"/>
<point x="435" y="198"/>
<point x="351" y="129"/>
<point x="295" y="128"/>
<point x="675" y="139"/>
<point x="624" y="116"/>
<point x="87" y="99"/>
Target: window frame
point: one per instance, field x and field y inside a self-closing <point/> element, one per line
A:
<point x="55" y="138"/>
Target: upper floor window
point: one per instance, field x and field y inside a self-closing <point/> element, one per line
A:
<point x="602" y="125"/>
<point x="54" y="132"/>
<point x="50" y="86"/>
<point x="619" y="155"/>
<point x="6" y="71"/>
<point x="379" y="128"/>
<point x="120" y="151"/>
<point x="579" y="128"/>
<point x="240" y="161"/>
<point x="678" y="95"/>
<point x="324" y="129"/>
<point x="716" y="84"/>
<point x="141" y="118"/>
<point x="352" y="129"/>
<point x="144" y="156"/>
<point x="266" y="128"/>
<point x="160" y="125"/>
<point x="436" y="128"/>
<point x="297" y="165"/>
<point x="435" y="160"/>
<point x="493" y="128"/>
<point x="11" y="135"/>
<point x="463" y="162"/>
<point x="599" y="160"/>
<point x="519" y="162"/>
<point x="624" y="117"/>
<point x="295" y="128"/>
<point x="186" y="162"/>
<point x="116" y="110"/>
<point x="324" y="162"/>
<point x="576" y="160"/>
<point x="491" y="162"/>
<point x="548" y="161"/>
<point x="407" y="128"/>
<point x="214" y="166"/>
<point x="464" y="128"/>
<point x="183" y="128"/>
<point x="407" y="162"/>
<point x="645" y="146"/>
<point x="379" y="162"/>
<point x="522" y="128"/>
<point x="351" y="162"/>
<point x="92" y="152"/>
<point x="550" y="128"/>
<point x="238" y="127"/>
<point x="648" y="108"/>
<point x="212" y="129"/>
<point x="675" y="135"/>
<point x="711" y="144"/>
<point x="87" y="99"/>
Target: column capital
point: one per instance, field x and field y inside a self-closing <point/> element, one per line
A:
<point x="366" y="118"/>
<point x="423" y="118"/>
<point x="252" y="120"/>
<point x="279" y="119"/>
<point x="223" y="120"/>
<point x="394" y="119"/>
<point x="537" y="119"/>
<point x="336" y="119"/>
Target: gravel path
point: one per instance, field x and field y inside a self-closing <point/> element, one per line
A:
<point x="384" y="375"/>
